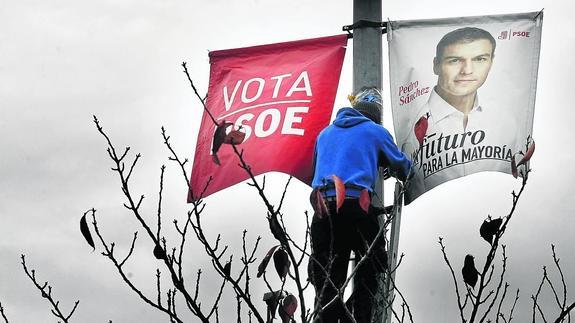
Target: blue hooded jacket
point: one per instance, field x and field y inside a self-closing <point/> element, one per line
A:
<point x="352" y="148"/>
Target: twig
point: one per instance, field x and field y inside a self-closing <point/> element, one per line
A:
<point x="284" y="192"/>
<point x="499" y="314"/>
<point x="175" y="157"/>
<point x="3" y="314"/>
<point x="405" y="305"/>
<point x="239" y="309"/>
<point x="513" y="307"/>
<point x="536" y="296"/>
<point x="159" y="287"/>
<point x="184" y="65"/>
<point x="197" y="285"/>
<point x="110" y="255"/>
<point x="212" y="252"/>
<point x="459" y="305"/>
<point x="498" y="289"/>
<point x="217" y="301"/>
<point x="163" y="169"/>
<point x="131" y="249"/>
<point x="556" y="261"/>
<point x="247" y="260"/>
<point x="46" y="291"/>
<point x="307" y="237"/>
<point x="565" y="312"/>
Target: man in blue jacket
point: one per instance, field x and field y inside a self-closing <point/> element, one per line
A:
<point x="352" y="149"/>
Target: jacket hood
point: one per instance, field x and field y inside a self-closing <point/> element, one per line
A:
<point x="349" y="117"/>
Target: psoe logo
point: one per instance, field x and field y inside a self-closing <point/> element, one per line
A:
<point x="508" y="34"/>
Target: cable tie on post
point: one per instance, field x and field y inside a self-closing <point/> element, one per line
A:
<point x="365" y="24"/>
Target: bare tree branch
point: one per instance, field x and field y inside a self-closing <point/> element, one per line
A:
<point x="556" y="261"/>
<point x="499" y="314"/>
<point x="131" y="249"/>
<point x="536" y="296"/>
<point x="460" y="306"/>
<point x="184" y="65"/>
<point x="163" y="169"/>
<point x="3" y="314"/>
<point x="174" y="157"/>
<point x="498" y="289"/>
<point x="404" y="305"/>
<point x="46" y="291"/>
<point x="108" y="252"/>
<point x="565" y="312"/>
<point x="177" y="280"/>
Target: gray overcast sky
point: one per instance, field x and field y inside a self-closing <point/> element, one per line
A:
<point x="62" y="61"/>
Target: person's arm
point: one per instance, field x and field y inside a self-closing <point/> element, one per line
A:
<point x="396" y="160"/>
<point x="314" y="163"/>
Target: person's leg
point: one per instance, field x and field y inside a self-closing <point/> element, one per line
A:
<point x="367" y="228"/>
<point x="327" y="294"/>
<point x="364" y="294"/>
<point x="332" y="258"/>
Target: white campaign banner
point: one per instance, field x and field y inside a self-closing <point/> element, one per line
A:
<point x="462" y="93"/>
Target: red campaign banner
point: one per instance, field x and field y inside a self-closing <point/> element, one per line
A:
<point x="281" y="96"/>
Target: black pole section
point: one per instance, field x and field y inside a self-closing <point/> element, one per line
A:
<point x="367" y="44"/>
<point x="367" y="71"/>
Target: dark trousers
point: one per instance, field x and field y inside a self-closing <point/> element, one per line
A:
<point x="333" y="238"/>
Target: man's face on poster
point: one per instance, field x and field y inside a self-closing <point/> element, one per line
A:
<point x="464" y="66"/>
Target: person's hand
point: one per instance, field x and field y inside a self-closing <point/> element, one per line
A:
<point x="408" y="179"/>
